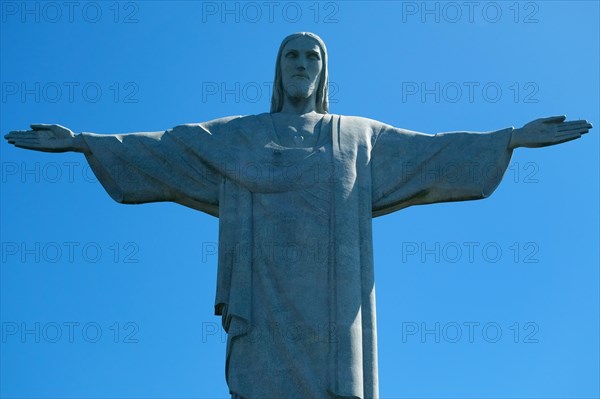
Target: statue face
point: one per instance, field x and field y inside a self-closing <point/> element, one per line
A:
<point x="301" y="65"/>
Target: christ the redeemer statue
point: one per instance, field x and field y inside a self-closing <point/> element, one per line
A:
<point x="295" y="191"/>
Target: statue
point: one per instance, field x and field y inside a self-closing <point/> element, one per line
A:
<point x="298" y="179"/>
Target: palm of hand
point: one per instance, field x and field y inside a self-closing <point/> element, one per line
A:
<point x="549" y="131"/>
<point x="49" y="138"/>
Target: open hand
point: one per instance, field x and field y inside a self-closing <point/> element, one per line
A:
<point x="548" y="131"/>
<point x="42" y="137"/>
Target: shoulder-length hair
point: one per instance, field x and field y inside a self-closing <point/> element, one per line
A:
<point x="322" y="100"/>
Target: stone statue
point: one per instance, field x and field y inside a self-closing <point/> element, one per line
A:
<point x="295" y="191"/>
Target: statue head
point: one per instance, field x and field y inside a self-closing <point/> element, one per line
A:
<point x="320" y="91"/>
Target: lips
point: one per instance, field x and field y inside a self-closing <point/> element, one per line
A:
<point x="300" y="76"/>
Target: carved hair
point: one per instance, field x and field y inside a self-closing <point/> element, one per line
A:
<point x="322" y="100"/>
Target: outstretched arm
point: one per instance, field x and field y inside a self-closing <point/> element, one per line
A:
<point x="411" y="168"/>
<point x="140" y="167"/>
<point x="548" y="131"/>
<point x="47" y="138"/>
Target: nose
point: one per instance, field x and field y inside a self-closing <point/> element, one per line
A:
<point x="301" y="63"/>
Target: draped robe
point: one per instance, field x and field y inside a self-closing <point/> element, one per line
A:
<point x="295" y="285"/>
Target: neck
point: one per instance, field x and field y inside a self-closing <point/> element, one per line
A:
<point x="299" y="106"/>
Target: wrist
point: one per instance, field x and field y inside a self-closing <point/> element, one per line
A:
<point x="514" y="139"/>
<point x="79" y="144"/>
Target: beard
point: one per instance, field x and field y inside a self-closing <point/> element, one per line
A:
<point x="299" y="89"/>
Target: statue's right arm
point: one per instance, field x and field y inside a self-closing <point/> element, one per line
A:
<point x="47" y="138"/>
<point x="57" y="138"/>
<point x="142" y="167"/>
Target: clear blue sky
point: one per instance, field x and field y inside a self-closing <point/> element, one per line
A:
<point x="121" y="297"/>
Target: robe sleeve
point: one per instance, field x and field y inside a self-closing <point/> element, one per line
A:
<point x="138" y="168"/>
<point x="410" y="168"/>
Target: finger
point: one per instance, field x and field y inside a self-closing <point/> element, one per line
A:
<point x="27" y="146"/>
<point x="24" y="142"/>
<point x="13" y="133"/>
<point x="577" y="132"/>
<point x="20" y="134"/>
<point x="18" y="131"/>
<point x="25" y="139"/>
<point x="554" y="119"/>
<point x="23" y="133"/>
<point x="578" y="121"/>
<point x="564" y="140"/>
<point x="41" y="126"/>
<point x="574" y="125"/>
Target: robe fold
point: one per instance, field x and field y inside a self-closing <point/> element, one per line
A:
<point x="295" y="284"/>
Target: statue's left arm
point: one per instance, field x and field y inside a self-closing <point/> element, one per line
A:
<point x="548" y="131"/>
<point x="412" y="168"/>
